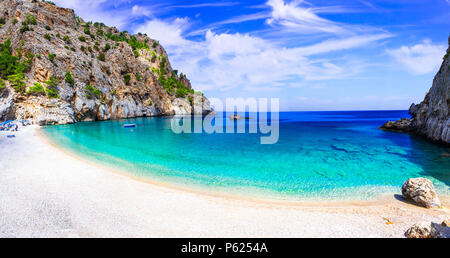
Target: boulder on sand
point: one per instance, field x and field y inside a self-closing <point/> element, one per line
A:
<point x="420" y="191"/>
<point x="428" y="230"/>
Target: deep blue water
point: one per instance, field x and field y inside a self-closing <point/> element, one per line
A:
<point x="319" y="155"/>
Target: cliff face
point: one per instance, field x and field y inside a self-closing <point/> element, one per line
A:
<point x="431" y="118"/>
<point x="56" y="68"/>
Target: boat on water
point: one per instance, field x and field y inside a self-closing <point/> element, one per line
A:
<point x="237" y="117"/>
<point x="129" y="125"/>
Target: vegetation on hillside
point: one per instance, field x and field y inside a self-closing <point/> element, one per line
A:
<point x="69" y="79"/>
<point x="2" y="85"/>
<point x="52" y="88"/>
<point x="13" y="67"/>
<point x="36" y="90"/>
<point x="92" y="92"/>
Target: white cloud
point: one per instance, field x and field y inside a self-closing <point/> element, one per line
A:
<point x="212" y="4"/>
<point x="168" y="33"/>
<point x="140" y="10"/>
<point x="105" y="11"/>
<point x="341" y="44"/>
<point x="304" y="20"/>
<point x="421" y="58"/>
<point x="240" y="61"/>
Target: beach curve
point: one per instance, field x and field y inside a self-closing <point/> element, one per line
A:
<point x="69" y="197"/>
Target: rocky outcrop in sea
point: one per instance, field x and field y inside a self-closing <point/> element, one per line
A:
<point x="431" y="118"/>
<point x="56" y="68"/>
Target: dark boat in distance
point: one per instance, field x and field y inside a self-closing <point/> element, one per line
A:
<point x="237" y="117"/>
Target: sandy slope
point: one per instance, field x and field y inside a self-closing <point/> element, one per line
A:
<point x="46" y="193"/>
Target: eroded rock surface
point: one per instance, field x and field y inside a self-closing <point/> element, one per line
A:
<point x="420" y="191"/>
<point x="402" y="125"/>
<point x="428" y="230"/>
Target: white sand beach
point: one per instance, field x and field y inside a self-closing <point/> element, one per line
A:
<point x="45" y="192"/>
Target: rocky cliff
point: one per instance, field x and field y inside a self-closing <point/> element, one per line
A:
<point x="56" y="68"/>
<point x="431" y="118"/>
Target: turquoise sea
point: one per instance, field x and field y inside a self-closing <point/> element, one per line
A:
<point x="319" y="155"/>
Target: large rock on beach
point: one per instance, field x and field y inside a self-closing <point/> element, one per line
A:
<point x="421" y="192"/>
<point x="428" y="230"/>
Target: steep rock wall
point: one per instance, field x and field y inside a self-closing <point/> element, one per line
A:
<point x="115" y="74"/>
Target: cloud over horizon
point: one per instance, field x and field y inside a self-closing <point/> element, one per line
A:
<point x="421" y="58"/>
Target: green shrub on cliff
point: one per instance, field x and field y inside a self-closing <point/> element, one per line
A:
<point x="67" y="39"/>
<point x="11" y="68"/>
<point x="153" y="57"/>
<point x="163" y="61"/>
<point x="87" y="29"/>
<point x="100" y="32"/>
<point x="51" y="57"/>
<point x="29" y="20"/>
<point x="135" y="43"/>
<point x="8" y="62"/>
<point x="37" y="89"/>
<point x="69" y="79"/>
<point x="17" y="81"/>
<point x="181" y="92"/>
<point x="25" y="28"/>
<point x="127" y="78"/>
<point x="101" y="56"/>
<point x="2" y="85"/>
<point x="92" y="92"/>
<point x="52" y="88"/>
<point x="107" y="47"/>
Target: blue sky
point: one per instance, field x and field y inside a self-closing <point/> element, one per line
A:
<point x="313" y="55"/>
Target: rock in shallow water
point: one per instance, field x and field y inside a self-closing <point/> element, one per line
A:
<point x="402" y="125"/>
<point x="420" y="191"/>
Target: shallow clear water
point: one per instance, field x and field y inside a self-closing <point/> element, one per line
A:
<point x="319" y="155"/>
